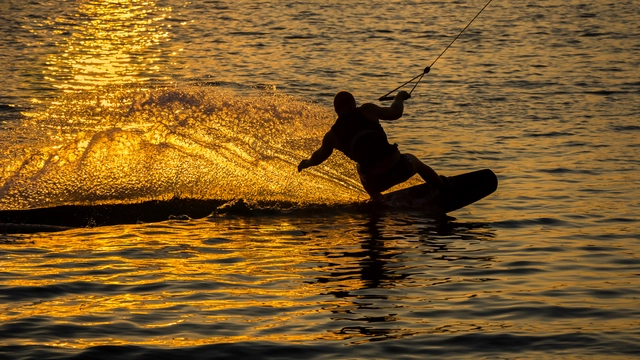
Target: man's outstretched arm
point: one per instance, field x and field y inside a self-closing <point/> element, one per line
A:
<point x="319" y="156"/>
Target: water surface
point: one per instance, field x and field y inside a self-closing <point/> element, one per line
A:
<point x="128" y="101"/>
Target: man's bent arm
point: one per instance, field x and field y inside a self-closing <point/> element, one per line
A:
<point x="322" y="154"/>
<point x="393" y="112"/>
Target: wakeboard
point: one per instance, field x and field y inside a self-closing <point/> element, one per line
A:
<point x="466" y="189"/>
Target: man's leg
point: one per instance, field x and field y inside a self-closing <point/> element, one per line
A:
<point x="375" y="195"/>
<point x="427" y="173"/>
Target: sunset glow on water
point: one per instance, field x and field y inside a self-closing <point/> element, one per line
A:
<point x="120" y="102"/>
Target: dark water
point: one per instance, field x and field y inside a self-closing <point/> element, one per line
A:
<point x="127" y="101"/>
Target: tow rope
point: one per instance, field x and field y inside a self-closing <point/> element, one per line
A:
<point x="428" y="68"/>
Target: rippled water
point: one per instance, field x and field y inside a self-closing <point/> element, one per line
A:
<point x="125" y="101"/>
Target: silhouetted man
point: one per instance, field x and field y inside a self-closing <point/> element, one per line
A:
<point x="358" y="134"/>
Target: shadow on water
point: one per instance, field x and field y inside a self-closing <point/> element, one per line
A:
<point x="65" y="217"/>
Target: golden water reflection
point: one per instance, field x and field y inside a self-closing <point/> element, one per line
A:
<point x="351" y="277"/>
<point x="108" y="42"/>
<point x="229" y="280"/>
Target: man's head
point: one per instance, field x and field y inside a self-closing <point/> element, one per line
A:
<point x="343" y="102"/>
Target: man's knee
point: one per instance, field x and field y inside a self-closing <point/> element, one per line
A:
<point x="417" y="164"/>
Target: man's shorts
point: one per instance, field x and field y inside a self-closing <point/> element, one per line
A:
<point x="399" y="173"/>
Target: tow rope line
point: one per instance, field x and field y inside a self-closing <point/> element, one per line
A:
<point x="428" y="68"/>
